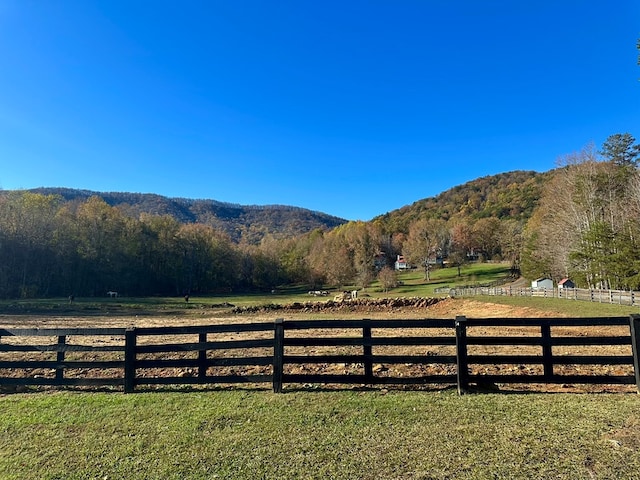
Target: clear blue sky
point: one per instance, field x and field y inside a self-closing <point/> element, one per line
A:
<point x="353" y="108"/>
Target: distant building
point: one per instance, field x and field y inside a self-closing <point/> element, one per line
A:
<point x="439" y="261"/>
<point x="566" y="283"/>
<point x="542" y="283"/>
<point x="380" y="261"/>
<point x="401" y="263"/>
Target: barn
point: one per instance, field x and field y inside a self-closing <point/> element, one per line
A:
<point x="566" y="283"/>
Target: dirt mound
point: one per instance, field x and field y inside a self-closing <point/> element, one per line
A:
<point x="356" y="305"/>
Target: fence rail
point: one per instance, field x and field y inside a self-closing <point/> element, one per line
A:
<point x="617" y="297"/>
<point x="460" y="352"/>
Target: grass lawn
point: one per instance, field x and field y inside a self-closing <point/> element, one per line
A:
<point x="244" y="434"/>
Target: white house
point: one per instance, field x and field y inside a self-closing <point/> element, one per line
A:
<point x="401" y="263"/>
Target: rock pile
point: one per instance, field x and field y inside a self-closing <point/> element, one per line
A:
<point x="361" y="304"/>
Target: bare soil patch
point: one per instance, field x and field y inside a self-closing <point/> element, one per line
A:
<point x="440" y="309"/>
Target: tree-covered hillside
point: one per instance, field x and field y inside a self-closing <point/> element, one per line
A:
<point x="511" y="195"/>
<point x="243" y="223"/>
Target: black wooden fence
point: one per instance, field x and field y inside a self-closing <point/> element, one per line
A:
<point x="462" y="352"/>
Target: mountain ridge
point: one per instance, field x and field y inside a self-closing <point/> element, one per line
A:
<point x="511" y="195"/>
<point x="247" y="223"/>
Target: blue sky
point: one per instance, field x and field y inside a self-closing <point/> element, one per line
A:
<point x="353" y="108"/>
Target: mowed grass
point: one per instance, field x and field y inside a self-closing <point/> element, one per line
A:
<point x="243" y="434"/>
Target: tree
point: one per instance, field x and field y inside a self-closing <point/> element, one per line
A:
<point x="487" y="236"/>
<point x="27" y="258"/>
<point x="364" y="242"/>
<point x="460" y="245"/>
<point x="388" y="278"/>
<point x="99" y="229"/>
<point x="207" y="259"/>
<point x="331" y="260"/>
<point x="587" y="222"/>
<point x="426" y="241"/>
<point x="159" y="256"/>
<point x="511" y="244"/>
<point x="621" y="149"/>
<point x="592" y="261"/>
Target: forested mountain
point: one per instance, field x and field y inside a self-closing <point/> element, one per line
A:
<point x="511" y="195"/>
<point x="247" y="223"/>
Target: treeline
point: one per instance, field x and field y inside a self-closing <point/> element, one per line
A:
<point x="581" y="221"/>
<point x="587" y="226"/>
<point x="52" y="247"/>
<point x="49" y="247"/>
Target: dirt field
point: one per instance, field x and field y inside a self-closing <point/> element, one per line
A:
<point x="443" y="309"/>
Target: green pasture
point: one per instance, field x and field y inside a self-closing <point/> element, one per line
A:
<point x="244" y="434"/>
<point x="412" y="284"/>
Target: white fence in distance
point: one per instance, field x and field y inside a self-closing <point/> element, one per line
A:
<point x="617" y="297"/>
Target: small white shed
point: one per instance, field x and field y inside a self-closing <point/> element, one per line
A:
<point x="542" y="283"/>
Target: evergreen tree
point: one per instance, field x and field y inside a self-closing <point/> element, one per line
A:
<point x="621" y="150"/>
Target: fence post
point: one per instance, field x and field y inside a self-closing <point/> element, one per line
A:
<point x="634" y="322"/>
<point x="461" y="355"/>
<point x="130" y="359"/>
<point x="547" y="353"/>
<point x="202" y="355"/>
<point x="60" y="357"/>
<point x="278" y="355"/>
<point x="367" y="351"/>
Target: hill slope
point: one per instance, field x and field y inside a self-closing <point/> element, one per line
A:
<point x="249" y="223"/>
<point x="511" y="195"/>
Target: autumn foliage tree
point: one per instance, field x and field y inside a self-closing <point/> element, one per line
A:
<point x="587" y="225"/>
<point x="427" y="240"/>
